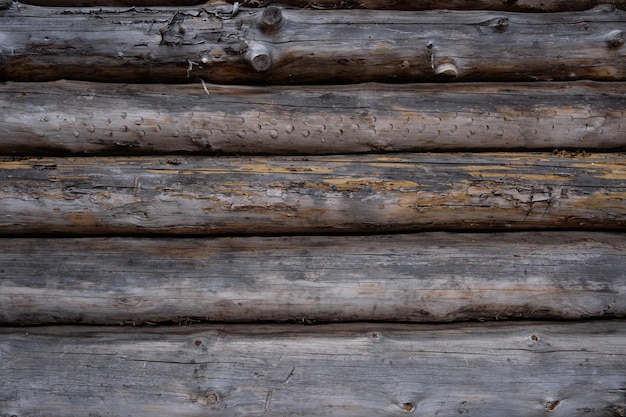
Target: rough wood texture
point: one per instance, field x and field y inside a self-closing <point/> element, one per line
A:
<point x="428" y="277"/>
<point x="512" y="6"/>
<point x="305" y="46"/>
<point x="277" y="195"/>
<point x="506" y="5"/>
<point x="90" y="118"/>
<point x="532" y="369"/>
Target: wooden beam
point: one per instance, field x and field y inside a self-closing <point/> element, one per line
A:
<point x="294" y="195"/>
<point x="90" y="118"/>
<point x="335" y="370"/>
<point x="427" y="277"/>
<point x="512" y="6"/>
<point x="305" y="46"/>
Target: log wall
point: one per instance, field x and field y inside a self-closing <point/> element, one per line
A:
<point x="446" y="179"/>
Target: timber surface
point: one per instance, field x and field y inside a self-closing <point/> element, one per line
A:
<point x="307" y="46"/>
<point x="526" y="370"/>
<point x="91" y="118"/>
<point x="512" y="6"/>
<point x="426" y="277"/>
<point x="313" y="195"/>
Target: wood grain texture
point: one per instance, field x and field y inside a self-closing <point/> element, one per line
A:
<point x="308" y="46"/>
<point x="333" y="194"/>
<point x="513" y="6"/>
<point x="507" y="5"/>
<point x="530" y="369"/>
<point x="91" y="118"/>
<point x="427" y="277"/>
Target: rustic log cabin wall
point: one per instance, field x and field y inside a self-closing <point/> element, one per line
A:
<point x="326" y="207"/>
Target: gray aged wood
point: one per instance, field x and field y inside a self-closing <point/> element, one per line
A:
<point x="507" y="5"/>
<point x="69" y="117"/>
<point x="305" y="46"/>
<point x="514" y="5"/>
<point x="332" y="194"/>
<point x="483" y="370"/>
<point x="428" y="277"/>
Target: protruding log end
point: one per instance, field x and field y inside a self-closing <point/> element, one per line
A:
<point x="616" y="39"/>
<point x="5" y="4"/>
<point x="259" y="58"/>
<point x="271" y="19"/>
<point x="447" y="69"/>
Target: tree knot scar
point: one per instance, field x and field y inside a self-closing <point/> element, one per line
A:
<point x="447" y="68"/>
<point x="408" y="407"/>
<point x="498" y="24"/>
<point x="211" y="398"/>
<point x="259" y="58"/>
<point x="271" y="20"/>
<point x="552" y="405"/>
<point x="616" y="39"/>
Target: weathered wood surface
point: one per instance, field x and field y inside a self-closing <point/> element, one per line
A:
<point x="507" y="5"/>
<point x="427" y="277"/>
<point x="305" y="46"/>
<point x="332" y="194"/>
<point x="512" y="6"/>
<point x="525" y="370"/>
<point x="90" y="118"/>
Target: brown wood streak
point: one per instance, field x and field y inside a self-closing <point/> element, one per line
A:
<point x="575" y="369"/>
<point x="333" y="194"/>
<point x="90" y="118"/>
<point x="308" y="46"/>
<point x="426" y="277"/>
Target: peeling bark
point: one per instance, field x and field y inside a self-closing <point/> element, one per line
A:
<point x="213" y="44"/>
<point x="512" y="6"/>
<point x="404" y="192"/>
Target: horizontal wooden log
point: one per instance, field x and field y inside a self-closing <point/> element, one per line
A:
<point x="90" y="118"/>
<point x="428" y="277"/>
<point x="512" y="6"/>
<point x="214" y="44"/>
<point x="530" y="369"/>
<point x="333" y="194"/>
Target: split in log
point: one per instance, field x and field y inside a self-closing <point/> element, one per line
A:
<point x="108" y="119"/>
<point x="426" y="277"/>
<point x="312" y="195"/>
<point x="510" y="5"/>
<point x="484" y="370"/>
<point x="214" y="44"/>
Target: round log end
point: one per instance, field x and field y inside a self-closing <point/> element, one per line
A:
<point x="259" y="58"/>
<point x="271" y="19"/>
<point x="447" y="69"/>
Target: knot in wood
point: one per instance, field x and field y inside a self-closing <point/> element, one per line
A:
<point x="616" y="39"/>
<point x="259" y="58"/>
<point x="447" y="69"/>
<point x="498" y="24"/>
<point x="271" y="19"/>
